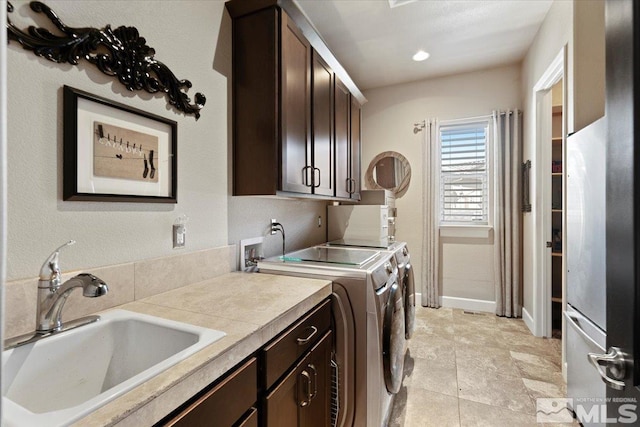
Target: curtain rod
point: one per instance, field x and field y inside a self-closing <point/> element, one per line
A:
<point x="502" y="113"/>
<point x="418" y="127"/>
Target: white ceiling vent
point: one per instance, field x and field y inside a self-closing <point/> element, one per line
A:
<point x="396" y="3"/>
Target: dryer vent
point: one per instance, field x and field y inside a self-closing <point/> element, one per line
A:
<point x="335" y="393"/>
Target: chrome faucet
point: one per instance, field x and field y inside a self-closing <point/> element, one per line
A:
<point x="52" y="294"/>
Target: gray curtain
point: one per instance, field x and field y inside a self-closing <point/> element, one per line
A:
<point x="507" y="132"/>
<point x="430" y="201"/>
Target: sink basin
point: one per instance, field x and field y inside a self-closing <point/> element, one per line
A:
<point x="61" y="378"/>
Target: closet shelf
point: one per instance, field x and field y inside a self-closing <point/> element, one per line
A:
<point x="558" y="254"/>
<point x="555" y="299"/>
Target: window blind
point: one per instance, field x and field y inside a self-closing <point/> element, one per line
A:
<point x="464" y="190"/>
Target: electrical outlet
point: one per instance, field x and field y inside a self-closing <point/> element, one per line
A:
<point x="180" y="231"/>
<point x="179" y="235"/>
<point x="273" y="221"/>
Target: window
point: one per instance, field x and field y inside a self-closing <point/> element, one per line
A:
<point x="464" y="173"/>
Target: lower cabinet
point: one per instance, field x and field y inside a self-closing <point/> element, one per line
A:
<point x="285" y="383"/>
<point x="231" y="402"/>
<point x="302" y="397"/>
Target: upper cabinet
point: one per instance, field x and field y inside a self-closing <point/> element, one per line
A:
<point x="296" y="126"/>
<point x="355" y="134"/>
<point x="323" y="159"/>
<point x="296" y="155"/>
<point x="342" y="139"/>
<point x="347" y="142"/>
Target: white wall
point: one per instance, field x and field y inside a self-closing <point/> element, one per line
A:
<point x="578" y="25"/>
<point x="588" y="62"/>
<point x="555" y="32"/>
<point x="251" y="217"/>
<point x="388" y="120"/>
<point x="186" y="38"/>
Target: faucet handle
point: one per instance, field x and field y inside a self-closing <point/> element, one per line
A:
<point x="50" y="270"/>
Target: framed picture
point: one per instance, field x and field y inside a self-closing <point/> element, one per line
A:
<point x="116" y="153"/>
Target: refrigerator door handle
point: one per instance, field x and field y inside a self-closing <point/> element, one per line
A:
<point x="575" y="322"/>
<point x="614" y="360"/>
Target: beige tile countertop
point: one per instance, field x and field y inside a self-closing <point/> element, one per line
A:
<point x="250" y="308"/>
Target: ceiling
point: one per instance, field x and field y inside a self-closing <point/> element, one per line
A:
<point x="375" y="42"/>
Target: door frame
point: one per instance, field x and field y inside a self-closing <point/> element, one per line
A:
<point x="541" y="208"/>
<point x="3" y="167"/>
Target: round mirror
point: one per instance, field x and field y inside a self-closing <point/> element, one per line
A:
<point x="389" y="171"/>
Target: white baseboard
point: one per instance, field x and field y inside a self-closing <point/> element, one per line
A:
<point x="528" y="320"/>
<point x="468" y="304"/>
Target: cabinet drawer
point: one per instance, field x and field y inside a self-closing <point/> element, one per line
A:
<point x="282" y="353"/>
<point x="225" y="403"/>
<point x="250" y="420"/>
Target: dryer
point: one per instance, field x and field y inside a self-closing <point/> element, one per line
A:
<point x="405" y="271"/>
<point x="368" y="321"/>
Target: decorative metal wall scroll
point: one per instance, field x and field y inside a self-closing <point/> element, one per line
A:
<point x="121" y="53"/>
<point x="526" y="201"/>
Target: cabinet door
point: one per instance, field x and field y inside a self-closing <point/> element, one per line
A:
<point x="302" y="398"/>
<point x="295" y="109"/>
<point x="318" y="411"/>
<point x="256" y="132"/>
<point x="323" y="175"/>
<point x="356" y="143"/>
<point x="342" y="105"/>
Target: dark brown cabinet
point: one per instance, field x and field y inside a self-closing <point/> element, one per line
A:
<point x="347" y="142"/>
<point x="342" y="103"/>
<point x="285" y="383"/>
<point x="297" y="372"/>
<point x="284" y="112"/>
<point x="322" y="129"/>
<point x="230" y="402"/>
<point x="295" y="83"/>
<point x="356" y="148"/>
<point x="302" y="398"/>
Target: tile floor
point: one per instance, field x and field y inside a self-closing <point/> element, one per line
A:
<point x="475" y="370"/>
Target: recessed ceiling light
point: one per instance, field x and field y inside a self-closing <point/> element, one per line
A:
<point x="421" y="55"/>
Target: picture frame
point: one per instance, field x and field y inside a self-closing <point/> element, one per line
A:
<point x="116" y="153"/>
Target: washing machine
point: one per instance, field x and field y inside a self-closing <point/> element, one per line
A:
<point x="405" y="271"/>
<point x="405" y="276"/>
<point x="368" y="317"/>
